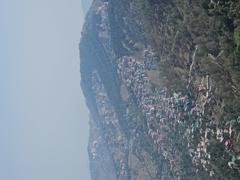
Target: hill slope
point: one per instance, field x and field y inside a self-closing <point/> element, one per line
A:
<point x="86" y="4"/>
<point x="162" y="82"/>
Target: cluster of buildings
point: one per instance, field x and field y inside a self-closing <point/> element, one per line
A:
<point x="103" y="27"/>
<point x="113" y="133"/>
<point x="150" y="59"/>
<point x="159" y="109"/>
<point x="105" y="109"/>
<point x="93" y="149"/>
<point x="166" y="114"/>
<point x="104" y="22"/>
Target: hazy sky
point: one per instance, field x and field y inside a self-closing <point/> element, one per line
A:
<point x="43" y="118"/>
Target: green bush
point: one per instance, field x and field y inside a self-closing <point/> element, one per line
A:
<point x="237" y="38"/>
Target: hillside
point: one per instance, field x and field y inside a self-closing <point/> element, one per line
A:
<point x="161" y="79"/>
<point x="86" y="4"/>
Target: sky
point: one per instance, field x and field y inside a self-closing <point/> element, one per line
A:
<point x="43" y="117"/>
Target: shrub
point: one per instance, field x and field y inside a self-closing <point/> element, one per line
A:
<point x="237" y="38"/>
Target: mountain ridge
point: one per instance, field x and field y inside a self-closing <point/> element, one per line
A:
<point x="163" y="93"/>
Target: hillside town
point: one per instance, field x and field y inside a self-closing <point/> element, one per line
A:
<point x="112" y="134"/>
<point x="166" y="114"/>
<point x="161" y="81"/>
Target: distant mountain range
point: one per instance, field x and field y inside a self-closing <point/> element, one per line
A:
<point x="86" y="5"/>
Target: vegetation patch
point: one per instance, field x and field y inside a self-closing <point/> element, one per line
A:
<point x="237" y="38"/>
